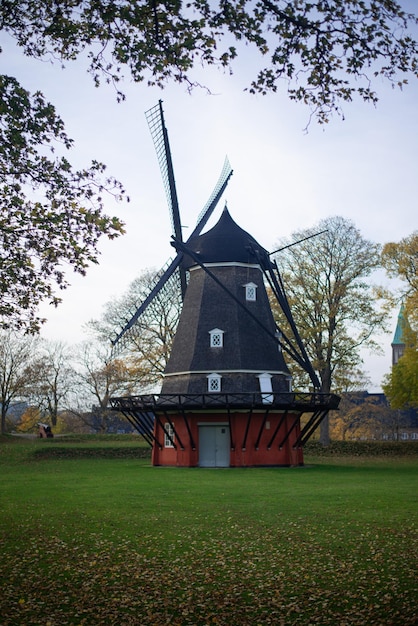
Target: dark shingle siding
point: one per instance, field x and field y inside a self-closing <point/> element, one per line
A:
<point x="246" y="345"/>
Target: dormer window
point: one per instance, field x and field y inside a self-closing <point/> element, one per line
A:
<point x="214" y="383"/>
<point x="216" y="338"/>
<point x="251" y="292"/>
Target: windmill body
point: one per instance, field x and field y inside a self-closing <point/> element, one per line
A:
<point x="223" y="354"/>
<point x="216" y="336"/>
<point x="226" y="398"/>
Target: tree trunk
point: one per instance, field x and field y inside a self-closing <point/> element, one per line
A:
<point x="4" y="408"/>
<point x="324" y="437"/>
<point x="324" y="431"/>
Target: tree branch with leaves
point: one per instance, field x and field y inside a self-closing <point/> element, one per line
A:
<point x="328" y="51"/>
<point x="400" y="259"/>
<point x="51" y="215"/>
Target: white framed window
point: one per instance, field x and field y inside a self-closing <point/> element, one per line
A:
<point x="216" y="338"/>
<point x="266" y="388"/>
<point x="251" y="292"/>
<point x="214" y="383"/>
<point x="168" y="432"/>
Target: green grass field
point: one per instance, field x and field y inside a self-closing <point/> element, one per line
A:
<point x="91" y="533"/>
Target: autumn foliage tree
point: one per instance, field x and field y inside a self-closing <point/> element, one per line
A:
<point x="364" y="416"/>
<point x="28" y="422"/>
<point x="401" y="261"/>
<point x="401" y="384"/>
<point x="332" y="300"/>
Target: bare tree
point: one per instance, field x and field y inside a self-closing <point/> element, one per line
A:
<point x="148" y="343"/>
<point x="17" y="354"/>
<point x="101" y="376"/>
<point x="54" y="379"/>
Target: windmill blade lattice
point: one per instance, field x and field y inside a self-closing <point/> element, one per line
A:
<point x="161" y="278"/>
<point x="214" y="198"/>
<point x="151" y="332"/>
<point x="156" y="123"/>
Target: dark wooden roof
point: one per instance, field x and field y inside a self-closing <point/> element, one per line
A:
<point x="225" y="242"/>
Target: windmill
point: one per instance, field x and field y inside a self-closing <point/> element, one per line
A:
<point x="226" y="398"/>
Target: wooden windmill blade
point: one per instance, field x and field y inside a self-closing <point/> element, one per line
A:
<point x="156" y="123"/>
<point x="162" y="277"/>
<point x="296" y="347"/>
<point x="155" y="118"/>
<point x="275" y="281"/>
<point x="214" y="198"/>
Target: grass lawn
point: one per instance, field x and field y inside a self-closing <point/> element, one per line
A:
<point x="91" y="533"/>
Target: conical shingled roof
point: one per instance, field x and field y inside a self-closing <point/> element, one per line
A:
<point x="226" y="242"/>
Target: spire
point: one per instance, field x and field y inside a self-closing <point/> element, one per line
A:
<point x="398" y="343"/>
<point x="402" y="324"/>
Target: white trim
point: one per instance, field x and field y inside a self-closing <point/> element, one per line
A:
<point x="199" y="372"/>
<point x="168" y="430"/>
<point x="225" y="264"/>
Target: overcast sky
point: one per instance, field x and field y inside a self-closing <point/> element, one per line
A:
<point x="363" y="168"/>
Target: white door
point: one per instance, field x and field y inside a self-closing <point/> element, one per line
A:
<point x="214" y="446"/>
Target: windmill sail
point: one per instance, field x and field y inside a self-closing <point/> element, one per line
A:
<point x="214" y="198"/>
<point x="156" y="123"/>
<point x="155" y="118"/>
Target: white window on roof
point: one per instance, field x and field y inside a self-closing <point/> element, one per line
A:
<point x="214" y="383"/>
<point x="216" y="338"/>
<point x="266" y="388"/>
<point x="251" y="292"/>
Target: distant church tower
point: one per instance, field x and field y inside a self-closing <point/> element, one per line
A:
<point x="398" y="343"/>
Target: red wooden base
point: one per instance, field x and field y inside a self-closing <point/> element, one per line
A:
<point x="222" y="439"/>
